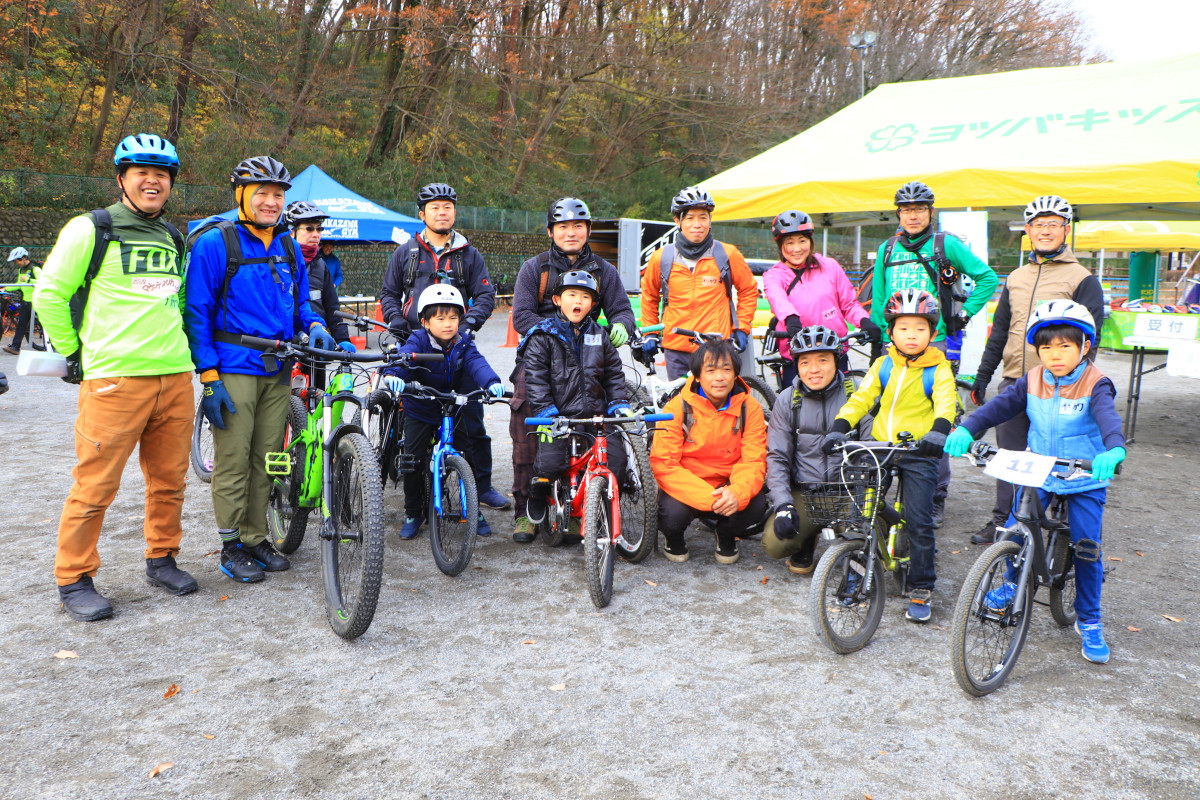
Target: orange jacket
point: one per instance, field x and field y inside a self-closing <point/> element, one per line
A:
<point x="712" y="454"/>
<point x="697" y="299"/>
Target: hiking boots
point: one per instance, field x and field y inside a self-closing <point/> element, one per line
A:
<point x="939" y="512"/>
<point x="986" y="534"/>
<point x="163" y="572"/>
<point x="523" y="532"/>
<point x="267" y="558"/>
<point x="81" y="600"/>
<point x="237" y="564"/>
<point x="801" y="563"/>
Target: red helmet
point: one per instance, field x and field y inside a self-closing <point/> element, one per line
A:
<point x="912" y="303"/>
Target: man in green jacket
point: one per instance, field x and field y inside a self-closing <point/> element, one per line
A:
<point x="919" y="257"/>
<point x="130" y="358"/>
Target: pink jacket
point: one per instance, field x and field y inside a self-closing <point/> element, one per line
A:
<point x="823" y="296"/>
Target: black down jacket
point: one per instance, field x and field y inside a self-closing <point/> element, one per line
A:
<point x="572" y="372"/>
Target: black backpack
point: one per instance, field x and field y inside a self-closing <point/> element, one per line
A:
<point x="102" y="221"/>
<point x="456" y="276"/>
<point x="235" y="259"/>
<point x="942" y="274"/>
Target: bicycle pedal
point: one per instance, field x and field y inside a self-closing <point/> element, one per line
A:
<point x="279" y="463"/>
<point x="406" y="463"/>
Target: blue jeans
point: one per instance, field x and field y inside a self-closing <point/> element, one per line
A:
<point x="920" y="477"/>
<point x="1085" y="511"/>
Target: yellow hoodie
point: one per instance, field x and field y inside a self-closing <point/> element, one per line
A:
<point x="905" y="406"/>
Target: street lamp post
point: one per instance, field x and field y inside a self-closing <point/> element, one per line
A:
<point x="861" y="42"/>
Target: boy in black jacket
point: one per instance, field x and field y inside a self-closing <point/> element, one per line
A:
<point x="571" y="370"/>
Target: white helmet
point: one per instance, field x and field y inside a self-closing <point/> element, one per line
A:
<point x="1062" y="312"/>
<point x="18" y="252"/>
<point x="1048" y="204"/>
<point x="440" y="294"/>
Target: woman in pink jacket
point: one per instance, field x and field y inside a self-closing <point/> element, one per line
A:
<point x="806" y="288"/>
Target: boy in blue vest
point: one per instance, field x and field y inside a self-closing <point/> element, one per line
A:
<point x="1070" y="404"/>
<point x="441" y="309"/>
<point x="915" y="389"/>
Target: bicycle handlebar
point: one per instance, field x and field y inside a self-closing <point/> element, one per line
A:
<point x="652" y="328"/>
<point x="599" y="420"/>
<point x="359" y="320"/>
<point x="699" y="338"/>
<point x="417" y="389"/>
<point x="280" y="346"/>
<point x="981" y="452"/>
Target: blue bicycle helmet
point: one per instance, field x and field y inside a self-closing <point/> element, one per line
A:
<point x="148" y="150"/>
<point x="1062" y="312"/>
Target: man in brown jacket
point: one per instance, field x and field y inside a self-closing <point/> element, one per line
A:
<point x="1052" y="273"/>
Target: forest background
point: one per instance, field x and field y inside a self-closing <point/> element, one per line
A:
<point x="511" y="101"/>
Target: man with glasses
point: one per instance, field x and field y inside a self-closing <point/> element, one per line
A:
<point x="1052" y="273"/>
<point x="305" y="220"/>
<point x="919" y="257"/>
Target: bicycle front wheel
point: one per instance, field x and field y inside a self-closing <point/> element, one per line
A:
<point x="638" y="503"/>
<point x="759" y="390"/>
<point x="352" y="554"/>
<point x="452" y="533"/>
<point x="1062" y="588"/>
<point x="286" y="520"/>
<point x="843" y="614"/>
<point x="202" y="446"/>
<point x="985" y="643"/>
<point x="598" y="542"/>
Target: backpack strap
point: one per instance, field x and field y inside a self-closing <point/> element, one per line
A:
<point x="927" y="377"/>
<point x="689" y="419"/>
<point x="667" y="261"/>
<point x="235" y="259"/>
<point x="102" y="221"/>
<point x="177" y="238"/>
<point x="543" y="264"/>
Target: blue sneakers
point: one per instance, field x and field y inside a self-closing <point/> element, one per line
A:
<point x="411" y="526"/>
<point x="493" y="499"/>
<point x="483" y="529"/>
<point x="918" y="605"/>
<point x="999" y="599"/>
<point x="1094" y="647"/>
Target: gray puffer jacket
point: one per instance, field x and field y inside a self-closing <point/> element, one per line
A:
<point x="799" y="421"/>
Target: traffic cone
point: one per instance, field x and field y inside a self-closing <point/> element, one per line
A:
<point x="513" y="340"/>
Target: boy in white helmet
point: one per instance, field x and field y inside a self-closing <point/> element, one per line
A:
<point x="441" y="310"/>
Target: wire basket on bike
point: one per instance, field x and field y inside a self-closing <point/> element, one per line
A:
<point x="835" y="503"/>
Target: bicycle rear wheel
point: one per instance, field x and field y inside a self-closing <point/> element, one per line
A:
<point x="376" y="425"/>
<point x="352" y="544"/>
<point x="558" y="515"/>
<point x="985" y="644"/>
<point x="759" y="390"/>
<point x="598" y="542"/>
<point x="286" y="520"/>
<point x="202" y="446"/>
<point x="1062" y="589"/>
<point x="843" y="615"/>
<point x="452" y="533"/>
<point x="638" y="502"/>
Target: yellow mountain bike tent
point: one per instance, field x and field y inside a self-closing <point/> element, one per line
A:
<point x="1120" y="140"/>
<point x="1171" y="236"/>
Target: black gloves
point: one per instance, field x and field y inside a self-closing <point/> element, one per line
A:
<point x="832" y="441"/>
<point x="979" y="392"/>
<point x="931" y="445"/>
<point x="794" y="325"/>
<point x="74" y="367"/>
<point x="874" y="334"/>
<point x="785" y="521"/>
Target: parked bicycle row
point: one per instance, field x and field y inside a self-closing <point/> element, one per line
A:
<point x="723" y="448"/>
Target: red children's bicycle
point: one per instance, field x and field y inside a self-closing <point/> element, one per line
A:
<point x="616" y="518"/>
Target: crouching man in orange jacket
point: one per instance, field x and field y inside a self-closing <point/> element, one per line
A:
<point x="710" y="460"/>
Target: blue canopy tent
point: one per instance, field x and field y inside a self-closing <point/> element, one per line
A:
<point x="353" y="219"/>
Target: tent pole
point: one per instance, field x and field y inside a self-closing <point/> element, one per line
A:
<point x="825" y="241"/>
<point x="1100" y="277"/>
<point x="858" y="247"/>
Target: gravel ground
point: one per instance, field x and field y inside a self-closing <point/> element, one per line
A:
<point x="699" y="681"/>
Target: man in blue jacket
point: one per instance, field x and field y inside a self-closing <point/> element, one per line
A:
<point x="439" y="254"/>
<point x="247" y="278"/>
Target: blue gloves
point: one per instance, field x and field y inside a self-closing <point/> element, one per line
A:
<point x="214" y="398"/>
<point x="741" y="340"/>
<point x="650" y="345"/>
<point x="785" y="522"/>
<point x="496" y="389"/>
<point x="1104" y="466"/>
<point x="348" y="347"/>
<point x="617" y="334"/>
<point x="319" y="338"/>
<point x="959" y="441"/>
<point x="832" y="440"/>
<point x="395" y="385"/>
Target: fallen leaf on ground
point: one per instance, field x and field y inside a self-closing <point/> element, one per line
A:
<point x="66" y="654"/>
<point x="938" y="628"/>
<point x="412" y="590"/>
<point x="1114" y="558"/>
<point x="1139" y="552"/>
<point x="1173" y="619"/>
<point x="652" y="583"/>
<point x="172" y="690"/>
<point x="868" y="797"/>
<point x="558" y="687"/>
<point x="955" y="552"/>
<point x="529" y="641"/>
<point x="195" y="690"/>
<point x="765" y="579"/>
<point x="208" y="736"/>
<point x="476" y="567"/>
<point x="1131" y="628"/>
<point x="160" y="769"/>
<point x="45" y="520"/>
<point x="759" y="566"/>
<point x="210" y="555"/>
<point x="224" y="597"/>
